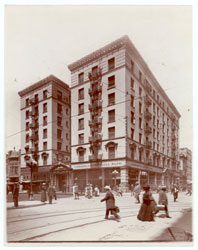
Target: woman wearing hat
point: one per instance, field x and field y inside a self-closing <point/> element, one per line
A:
<point x="147" y="209"/>
<point x="110" y="203"/>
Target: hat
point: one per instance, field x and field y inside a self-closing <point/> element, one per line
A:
<point x="163" y="187"/>
<point x="107" y="187"/>
<point x="146" y="187"/>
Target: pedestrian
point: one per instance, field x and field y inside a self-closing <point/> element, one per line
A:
<point x="15" y="194"/>
<point x="137" y="190"/>
<point x="96" y="191"/>
<point x="148" y="207"/>
<point x="110" y="203"/>
<point x="189" y="189"/>
<point x="120" y="190"/>
<point x="54" y="188"/>
<point x="88" y="191"/>
<point x="175" y="192"/>
<point x="132" y="188"/>
<point x="163" y="200"/>
<point x="43" y="193"/>
<point x="50" y="193"/>
<point x="75" y="192"/>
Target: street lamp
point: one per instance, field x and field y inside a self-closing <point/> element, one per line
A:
<point x="31" y="165"/>
<point x="115" y="174"/>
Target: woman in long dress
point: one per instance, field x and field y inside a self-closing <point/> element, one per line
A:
<point x="43" y="193"/>
<point x="147" y="209"/>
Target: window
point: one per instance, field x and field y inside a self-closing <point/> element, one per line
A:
<point x="81" y="124"/>
<point x="132" y="101"/>
<point x="27" y="138"/>
<point x="158" y="111"/>
<point x="132" y="153"/>
<point x="27" y="102"/>
<point x="67" y="137"/>
<point x="59" y="121"/>
<point x="27" y="113"/>
<point x="59" y="134"/>
<point x="111" y="99"/>
<point x="154" y="120"/>
<point x="153" y="107"/>
<point x="140" y="138"/>
<point x="67" y="111"/>
<point x="59" y="146"/>
<point x="81" y="155"/>
<point x="94" y="70"/>
<point x="81" y="138"/>
<point x="111" y="115"/>
<point x="81" y="94"/>
<point x="132" y="117"/>
<point x="44" y="120"/>
<point x="132" y="133"/>
<point x="36" y="123"/>
<point x="111" y="132"/>
<point x="111" y="152"/>
<point x="44" y="133"/>
<point x="140" y="155"/>
<point x="45" y="94"/>
<point x="36" y="98"/>
<point x="140" y="76"/>
<point x="44" y="107"/>
<point x="140" y="108"/>
<point x="27" y="126"/>
<point x="132" y="83"/>
<point x="154" y="94"/>
<point x="140" y="91"/>
<point x="111" y="63"/>
<point x="153" y="133"/>
<point x="140" y="123"/>
<point x="59" y="95"/>
<point x="132" y="66"/>
<point x="81" y="108"/>
<point x="157" y="135"/>
<point x="154" y="145"/>
<point x="59" y="108"/>
<point x="45" y="145"/>
<point x="111" y="82"/>
<point x="157" y="123"/>
<point x="81" y="78"/>
<point x="36" y="111"/>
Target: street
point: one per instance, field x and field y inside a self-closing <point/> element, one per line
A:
<point x="69" y="220"/>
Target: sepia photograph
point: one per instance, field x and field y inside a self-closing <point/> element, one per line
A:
<point x="98" y="116"/>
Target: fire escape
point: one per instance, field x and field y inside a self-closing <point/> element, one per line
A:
<point x="95" y="122"/>
<point x="147" y="127"/>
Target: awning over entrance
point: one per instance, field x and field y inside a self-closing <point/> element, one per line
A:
<point x="60" y="167"/>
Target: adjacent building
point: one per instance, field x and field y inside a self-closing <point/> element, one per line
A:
<point x="185" y="157"/>
<point x="46" y="132"/>
<point x="124" y="126"/>
<point x="13" y="159"/>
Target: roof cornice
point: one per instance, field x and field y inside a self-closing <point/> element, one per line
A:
<point x="50" y="78"/>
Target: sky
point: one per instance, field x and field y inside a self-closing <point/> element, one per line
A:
<point x="43" y="40"/>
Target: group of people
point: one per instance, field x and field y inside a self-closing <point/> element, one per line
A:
<point x="51" y="191"/>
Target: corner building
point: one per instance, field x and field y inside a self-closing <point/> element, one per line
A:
<point x="121" y="120"/>
<point x="46" y="132"/>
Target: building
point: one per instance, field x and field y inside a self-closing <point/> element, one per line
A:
<point x="13" y="159"/>
<point x="46" y="132"/>
<point x="185" y="157"/>
<point x="124" y="126"/>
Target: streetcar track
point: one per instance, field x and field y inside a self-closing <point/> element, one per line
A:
<point x="68" y="228"/>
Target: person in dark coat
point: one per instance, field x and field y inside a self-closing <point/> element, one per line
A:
<point x="163" y="200"/>
<point x="148" y="207"/>
<point x="175" y="192"/>
<point x="51" y="193"/>
<point x="43" y="193"/>
<point x="15" y="194"/>
<point x="110" y="203"/>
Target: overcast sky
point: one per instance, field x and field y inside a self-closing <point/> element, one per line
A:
<point x="43" y="40"/>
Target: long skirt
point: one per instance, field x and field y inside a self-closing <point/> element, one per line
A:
<point x="146" y="212"/>
<point x="43" y="196"/>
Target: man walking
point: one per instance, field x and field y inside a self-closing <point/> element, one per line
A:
<point x="110" y="203"/>
<point x="137" y="190"/>
<point x="163" y="200"/>
<point x="175" y="192"/>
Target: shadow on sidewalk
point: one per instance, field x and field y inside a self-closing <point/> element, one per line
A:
<point x="26" y="206"/>
<point x="181" y="230"/>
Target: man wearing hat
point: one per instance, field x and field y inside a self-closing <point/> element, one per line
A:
<point x="163" y="200"/>
<point x="137" y="190"/>
<point x="110" y="203"/>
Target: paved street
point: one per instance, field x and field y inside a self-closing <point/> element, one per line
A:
<point x="69" y="220"/>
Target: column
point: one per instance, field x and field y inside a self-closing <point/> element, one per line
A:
<point x="139" y="176"/>
<point x="103" y="178"/>
<point x="155" y="179"/>
<point x="86" y="176"/>
<point x="124" y="179"/>
<point x="163" y="179"/>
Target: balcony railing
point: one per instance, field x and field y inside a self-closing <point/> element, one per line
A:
<point x="147" y="115"/>
<point x="148" y="130"/>
<point x="148" y="144"/>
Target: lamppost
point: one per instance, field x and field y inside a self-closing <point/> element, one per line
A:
<point x="31" y="165"/>
<point x="115" y="174"/>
